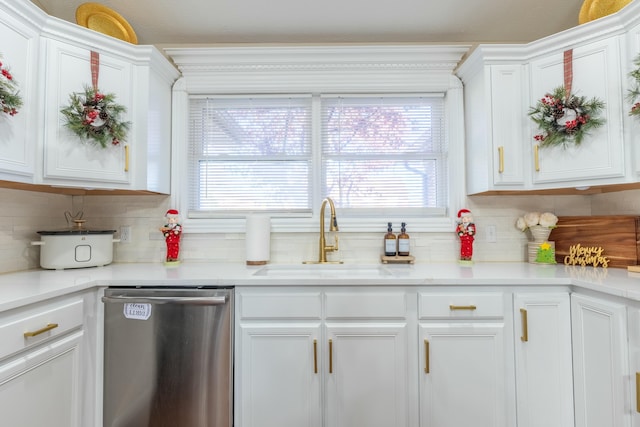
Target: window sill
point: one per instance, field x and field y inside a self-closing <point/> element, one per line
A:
<point x="310" y="225"/>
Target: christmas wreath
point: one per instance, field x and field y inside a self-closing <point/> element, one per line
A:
<point x="95" y="116"/>
<point x="565" y="119"/>
<point x="10" y="99"/>
<point x="634" y="93"/>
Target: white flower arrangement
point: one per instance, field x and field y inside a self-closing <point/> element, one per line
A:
<point x="531" y="219"/>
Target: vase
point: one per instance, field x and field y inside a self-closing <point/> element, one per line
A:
<point x="540" y="233"/>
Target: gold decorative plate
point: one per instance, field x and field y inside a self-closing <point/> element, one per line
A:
<point x="594" y="9"/>
<point x="104" y="20"/>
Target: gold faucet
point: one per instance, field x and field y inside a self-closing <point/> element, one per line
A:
<point x="333" y="226"/>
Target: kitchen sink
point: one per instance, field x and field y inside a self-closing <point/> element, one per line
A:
<point x="324" y="270"/>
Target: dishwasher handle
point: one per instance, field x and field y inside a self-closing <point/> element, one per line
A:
<point x="220" y="300"/>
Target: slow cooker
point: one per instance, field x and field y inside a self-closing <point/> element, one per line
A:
<point x="75" y="247"/>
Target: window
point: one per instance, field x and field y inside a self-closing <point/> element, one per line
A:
<point x="379" y="129"/>
<point x="385" y="152"/>
<point x="250" y="153"/>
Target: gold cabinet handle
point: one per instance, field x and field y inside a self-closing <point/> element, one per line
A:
<point x="126" y="158"/>
<point x="525" y="326"/>
<point x="462" y="307"/>
<point x="500" y="159"/>
<point x="49" y="327"/>
<point x="330" y="356"/>
<point x="315" y="356"/>
<point x="426" y="356"/>
<point x="637" y="391"/>
<point x="536" y="157"/>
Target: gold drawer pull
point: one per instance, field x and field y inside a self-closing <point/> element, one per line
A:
<point x="126" y="158"/>
<point x="49" y="327"/>
<point x="330" y="356"/>
<point x="525" y="325"/>
<point x="500" y="159"/>
<point x="637" y="391"/>
<point x="426" y="356"/>
<point x="462" y="307"/>
<point x="315" y="356"/>
<point x="536" y="157"/>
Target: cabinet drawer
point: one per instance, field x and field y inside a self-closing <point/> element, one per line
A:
<point x="363" y="305"/>
<point x="280" y="305"/>
<point x="28" y="327"/>
<point x="460" y="306"/>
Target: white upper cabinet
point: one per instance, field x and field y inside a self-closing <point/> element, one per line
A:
<point x="495" y="94"/>
<point x="19" y="55"/>
<point x="141" y="79"/>
<point x="632" y="129"/>
<point x="66" y="156"/>
<point x="503" y="82"/>
<point x="51" y="59"/>
<point x="600" y="158"/>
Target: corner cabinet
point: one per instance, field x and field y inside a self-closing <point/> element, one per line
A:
<point x="141" y="79"/>
<point x="66" y="156"/>
<point x="503" y="82"/>
<point x="596" y="73"/>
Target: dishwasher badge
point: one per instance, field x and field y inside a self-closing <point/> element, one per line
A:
<point x="136" y="310"/>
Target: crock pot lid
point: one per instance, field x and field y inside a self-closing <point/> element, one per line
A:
<point x="74" y="231"/>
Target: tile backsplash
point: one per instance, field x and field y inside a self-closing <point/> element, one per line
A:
<point x="28" y="212"/>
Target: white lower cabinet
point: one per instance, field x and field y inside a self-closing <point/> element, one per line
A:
<point x="41" y="365"/>
<point x="41" y="387"/>
<point x="315" y="358"/>
<point x="633" y="324"/>
<point x="544" y="377"/>
<point x="600" y="361"/>
<point x="464" y="353"/>
<point x="366" y="351"/>
<point x="280" y="384"/>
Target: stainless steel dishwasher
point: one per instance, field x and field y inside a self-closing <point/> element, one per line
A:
<point x="168" y="357"/>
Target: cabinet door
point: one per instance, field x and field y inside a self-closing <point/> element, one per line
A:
<point x="633" y="320"/>
<point x="462" y="375"/>
<point x="366" y="375"/>
<point x="596" y="73"/>
<point x="632" y="133"/>
<point x="67" y="158"/>
<point x="41" y="387"/>
<point x="507" y="112"/>
<point x="279" y="375"/>
<point x="544" y="378"/>
<point x="600" y="362"/>
<point x="18" y="134"/>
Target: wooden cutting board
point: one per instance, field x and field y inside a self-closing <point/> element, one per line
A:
<point x="618" y="235"/>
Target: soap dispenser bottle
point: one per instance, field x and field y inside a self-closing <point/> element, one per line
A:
<point x="390" y="242"/>
<point x="403" y="241"/>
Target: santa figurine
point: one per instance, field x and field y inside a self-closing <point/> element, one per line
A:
<point x="172" y="231"/>
<point x="466" y="231"/>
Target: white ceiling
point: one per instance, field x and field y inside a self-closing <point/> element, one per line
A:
<point x="170" y="22"/>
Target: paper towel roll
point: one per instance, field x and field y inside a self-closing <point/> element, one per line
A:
<point x="258" y="239"/>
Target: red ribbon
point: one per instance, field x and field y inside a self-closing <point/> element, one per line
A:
<point x="568" y="71"/>
<point x="95" y="69"/>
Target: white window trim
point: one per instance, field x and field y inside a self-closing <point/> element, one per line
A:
<point x="319" y="69"/>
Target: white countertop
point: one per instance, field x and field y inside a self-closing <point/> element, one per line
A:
<point x="21" y="288"/>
